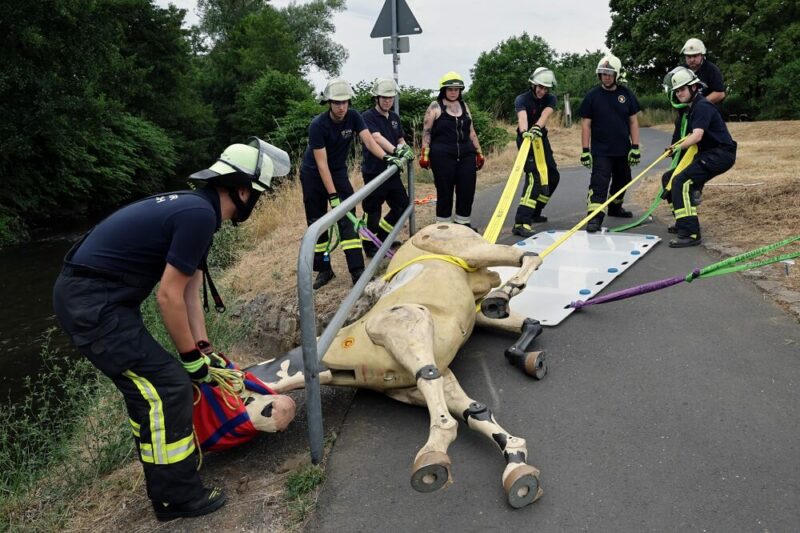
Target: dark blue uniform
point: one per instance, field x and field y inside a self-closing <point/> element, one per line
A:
<point x="534" y="198"/>
<point x="337" y="139"/>
<point x="610" y="113"/>
<point x="711" y="76"/>
<point x="96" y="298"/>
<point x="391" y="191"/>
<point x="716" y="153"/>
<point x="452" y="157"/>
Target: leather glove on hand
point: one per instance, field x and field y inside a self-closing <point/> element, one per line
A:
<point x="333" y="199"/>
<point x="196" y="365"/>
<point x="479" y="161"/>
<point x="634" y="155"/>
<point x="536" y="131"/>
<point x="404" y="151"/>
<point x="394" y="160"/>
<point x="671" y="150"/>
<point x="586" y="158"/>
<point x="424" y="161"/>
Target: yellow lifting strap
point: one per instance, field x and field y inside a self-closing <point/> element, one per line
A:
<point x="441" y="257"/>
<point x="685" y="161"/>
<point x="501" y="211"/>
<point x="547" y="251"/>
<point x="541" y="163"/>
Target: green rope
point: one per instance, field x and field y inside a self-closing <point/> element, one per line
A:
<point x="730" y="265"/>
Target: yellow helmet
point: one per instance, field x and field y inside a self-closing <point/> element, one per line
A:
<point x="451" y="79"/>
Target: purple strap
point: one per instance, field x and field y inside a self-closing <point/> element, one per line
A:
<point x="627" y="293"/>
<point x="375" y="240"/>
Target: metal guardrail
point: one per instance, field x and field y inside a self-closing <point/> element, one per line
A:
<point x="314" y="349"/>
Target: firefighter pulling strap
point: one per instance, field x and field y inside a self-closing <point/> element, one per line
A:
<point x="547" y="251"/>
<point x="504" y="204"/>
<point x="727" y="266"/>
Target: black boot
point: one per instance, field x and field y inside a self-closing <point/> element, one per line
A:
<point x="686" y="241"/>
<point x="594" y="225"/>
<point x="211" y="500"/>
<point x="619" y="212"/>
<point x="537" y="215"/>
<point x="323" y="278"/>
<point x="523" y="230"/>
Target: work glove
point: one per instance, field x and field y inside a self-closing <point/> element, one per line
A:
<point x="586" y="158"/>
<point x="394" y="160"/>
<point x="216" y="359"/>
<point x="479" y="161"/>
<point x="634" y="155"/>
<point x="671" y="150"/>
<point x="404" y="151"/>
<point x="196" y="365"/>
<point x="333" y="199"/>
<point x="424" y="161"/>
<point x="527" y="135"/>
<point x="536" y="131"/>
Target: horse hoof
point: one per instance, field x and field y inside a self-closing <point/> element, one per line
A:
<point x="536" y="364"/>
<point x="522" y="486"/>
<point x="431" y="472"/>
<point x="495" y="305"/>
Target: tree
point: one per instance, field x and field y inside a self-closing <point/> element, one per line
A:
<point x="502" y="73"/>
<point x="311" y="27"/>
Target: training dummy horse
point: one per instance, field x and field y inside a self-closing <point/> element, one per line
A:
<point x="405" y="343"/>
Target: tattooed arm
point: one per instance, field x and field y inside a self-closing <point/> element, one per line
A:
<point x="431" y="114"/>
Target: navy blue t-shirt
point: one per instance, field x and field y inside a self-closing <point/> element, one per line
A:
<point x="391" y="130"/>
<point x="533" y="106"/>
<point x="142" y="237"/>
<point x="705" y="116"/>
<point x="610" y="112"/>
<point x="711" y="76"/>
<point x="335" y="137"/>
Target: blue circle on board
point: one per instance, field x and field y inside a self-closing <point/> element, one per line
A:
<point x="649" y="236"/>
<point x="584" y="291"/>
<point x="521" y="243"/>
<point x="613" y="270"/>
<point x="551" y="231"/>
<point x="635" y="252"/>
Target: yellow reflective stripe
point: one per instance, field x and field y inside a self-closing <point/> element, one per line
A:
<point x="385" y="225"/>
<point x="528" y="191"/>
<point x="321" y="247"/>
<point x="156" y="415"/>
<point x="351" y="244"/>
<point x="146" y="453"/>
<point x="180" y="450"/>
<point x="527" y="202"/>
<point x="542" y="199"/>
<point x="135" y="428"/>
<point x="365" y="238"/>
<point x="592" y="206"/>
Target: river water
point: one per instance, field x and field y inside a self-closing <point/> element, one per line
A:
<point x="27" y="274"/>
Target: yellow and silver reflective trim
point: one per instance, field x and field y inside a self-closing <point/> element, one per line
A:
<point x="688" y="210"/>
<point x="385" y="226"/>
<point x="158" y="450"/>
<point x="526" y="199"/>
<point x="542" y="199"/>
<point x="351" y="244"/>
<point x="321" y="247"/>
<point x="135" y="428"/>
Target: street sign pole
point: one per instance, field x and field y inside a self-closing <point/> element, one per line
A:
<point x="395" y="55"/>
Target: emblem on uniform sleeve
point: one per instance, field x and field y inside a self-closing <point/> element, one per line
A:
<point x="621" y="98"/>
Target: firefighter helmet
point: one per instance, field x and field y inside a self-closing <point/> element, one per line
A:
<point x="384" y="87"/>
<point x="451" y="79"/>
<point x="543" y="76"/>
<point x="693" y="46"/>
<point x="337" y="90"/>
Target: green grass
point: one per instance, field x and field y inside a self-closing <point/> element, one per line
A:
<point x="300" y="487"/>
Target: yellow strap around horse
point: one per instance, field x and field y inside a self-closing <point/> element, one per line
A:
<point x="547" y="251"/>
<point x="441" y="257"/>
<point x="501" y="211"/>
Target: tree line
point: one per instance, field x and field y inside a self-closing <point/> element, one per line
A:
<point x="108" y="100"/>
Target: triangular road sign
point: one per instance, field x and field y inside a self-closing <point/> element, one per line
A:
<point x="406" y="22"/>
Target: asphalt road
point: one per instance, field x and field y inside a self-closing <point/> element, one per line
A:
<point x="672" y="411"/>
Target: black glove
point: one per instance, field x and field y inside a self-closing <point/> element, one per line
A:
<point x="333" y="199"/>
<point x="586" y="158"/>
<point x="196" y="365"/>
<point x="634" y="155"/>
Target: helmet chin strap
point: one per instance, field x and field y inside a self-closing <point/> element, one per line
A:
<point x="243" y="209"/>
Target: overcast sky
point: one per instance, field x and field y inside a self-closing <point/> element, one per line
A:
<point x="454" y="33"/>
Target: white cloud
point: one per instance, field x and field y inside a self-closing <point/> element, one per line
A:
<point x="454" y="33"/>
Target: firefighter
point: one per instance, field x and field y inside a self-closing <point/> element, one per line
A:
<point x="106" y="276"/>
<point x="384" y="125"/>
<point x="610" y="137"/>
<point x="694" y="52"/>
<point x="450" y="148"/>
<point x="716" y="154"/>
<point x="324" y="179"/>
<point x="534" y="108"/>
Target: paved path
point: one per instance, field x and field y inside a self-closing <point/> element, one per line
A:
<point x="668" y="412"/>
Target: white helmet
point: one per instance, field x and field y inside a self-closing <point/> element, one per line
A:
<point x="338" y="90"/>
<point x="610" y="64"/>
<point x="543" y="76"/>
<point x="693" y="46"/>
<point x="678" y="77"/>
<point x="384" y="87"/>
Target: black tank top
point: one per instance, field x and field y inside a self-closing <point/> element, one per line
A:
<point x="450" y="135"/>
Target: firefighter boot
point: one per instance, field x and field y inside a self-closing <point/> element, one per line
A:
<point x="211" y="500"/>
<point x="323" y="278"/>
<point x="523" y="230"/>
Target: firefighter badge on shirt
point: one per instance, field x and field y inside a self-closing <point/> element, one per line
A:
<point x="621" y="98"/>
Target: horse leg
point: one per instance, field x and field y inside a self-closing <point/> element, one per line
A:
<point x="520" y="354"/>
<point x="520" y="480"/>
<point x="495" y="304"/>
<point x="406" y="331"/>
